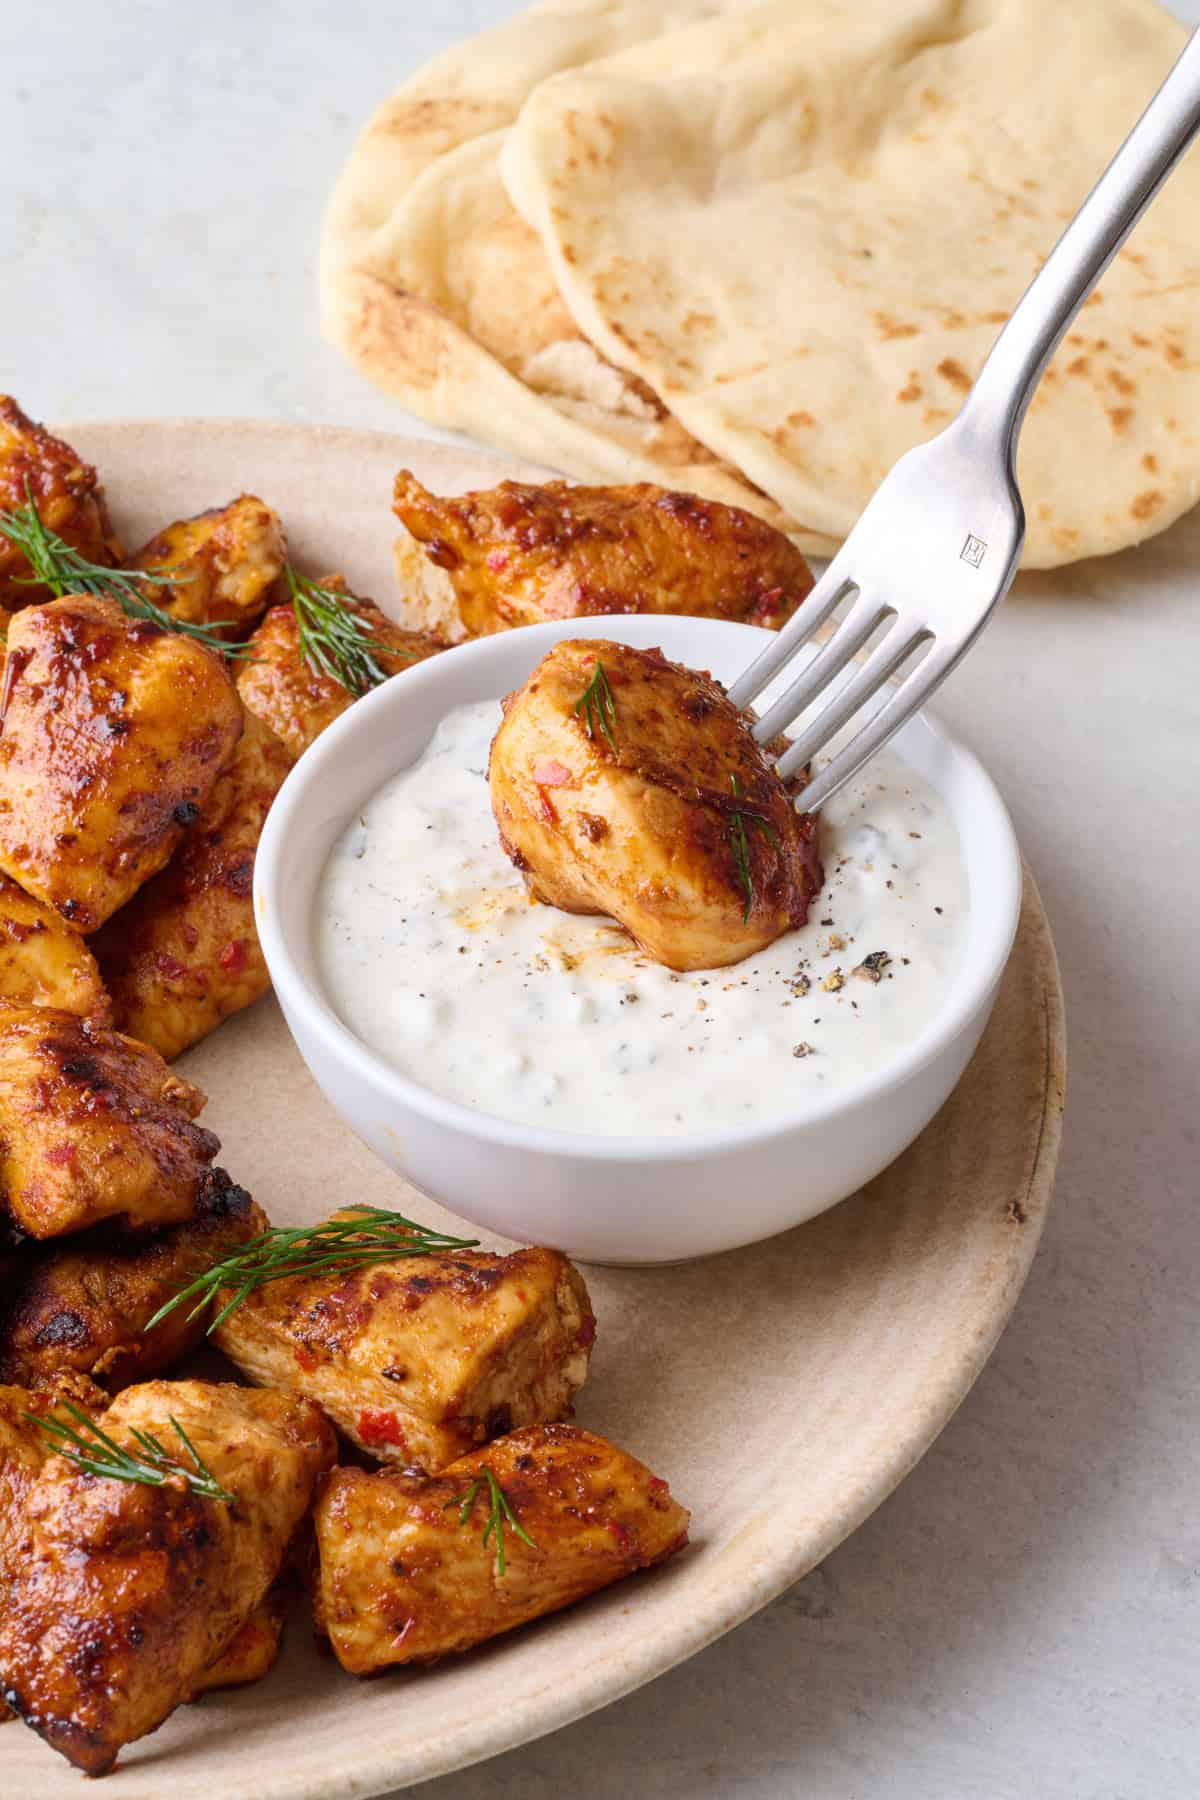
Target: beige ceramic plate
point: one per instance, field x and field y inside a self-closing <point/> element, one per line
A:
<point x="784" y="1389"/>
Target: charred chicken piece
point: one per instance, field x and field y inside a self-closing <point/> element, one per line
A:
<point x="114" y="732"/>
<point x="125" y="1595"/>
<point x="227" y="560"/>
<point x="627" y="785"/>
<point x="42" y="961"/>
<point x="519" y="554"/>
<point x="402" y="1580"/>
<point x="92" y="1126"/>
<point x="184" y="953"/>
<point x="298" y="701"/>
<point x="419" y="1359"/>
<point x="34" y="466"/>
<point x="83" y="1303"/>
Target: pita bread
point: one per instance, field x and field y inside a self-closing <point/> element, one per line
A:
<point x="803" y="225"/>
<point x="437" y="289"/>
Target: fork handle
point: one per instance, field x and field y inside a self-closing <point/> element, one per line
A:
<point x="1005" y="385"/>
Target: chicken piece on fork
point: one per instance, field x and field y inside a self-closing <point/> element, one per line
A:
<point x="626" y="785"/>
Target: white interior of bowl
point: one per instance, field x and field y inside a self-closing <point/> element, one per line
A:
<point x="391" y="727"/>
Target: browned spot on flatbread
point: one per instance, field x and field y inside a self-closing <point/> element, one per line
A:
<point x="889" y="328"/>
<point x="953" y="320"/>
<point x="913" y="391"/>
<point x="1096" y="299"/>
<point x="1144" y="506"/>
<point x="1143" y="343"/>
<point x="699" y="321"/>
<point x="1121" y="382"/>
<point x="1175" y="355"/>
<point x="994" y="318"/>
<point x="1150" y="463"/>
<point x="933" y="415"/>
<point x="800" y="418"/>
<point x="1044" y="509"/>
<point x="1079" y="365"/>
<point x="954" y="372"/>
<point x="1119" y="417"/>
<point x="1030" y="185"/>
<point x="1064" y="537"/>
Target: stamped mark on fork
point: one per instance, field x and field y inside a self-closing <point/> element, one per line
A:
<point x="973" y="551"/>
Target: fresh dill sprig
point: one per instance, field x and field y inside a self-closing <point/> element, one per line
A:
<point x="98" y="1454"/>
<point x="739" y="843"/>
<point x="61" y="568"/>
<point x="372" y="1235"/>
<point x="334" y="639"/>
<point x="500" y="1514"/>
<point x="597" y="706"/>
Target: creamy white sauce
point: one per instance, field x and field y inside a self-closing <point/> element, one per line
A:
<point x="433" y="955"/>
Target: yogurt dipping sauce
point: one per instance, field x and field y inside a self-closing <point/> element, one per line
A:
<point x="432" y="953"/>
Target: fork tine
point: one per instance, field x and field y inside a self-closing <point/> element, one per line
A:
<point x="808" y="617"/>
<point x="852" y="633"/>
<point x="888" y="655"/>
<point x="908" y="697"/>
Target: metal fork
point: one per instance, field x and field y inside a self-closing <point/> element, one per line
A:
<point x="938" y="545"/>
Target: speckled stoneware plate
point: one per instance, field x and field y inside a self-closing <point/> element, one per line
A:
<point x="784" y="1389"/>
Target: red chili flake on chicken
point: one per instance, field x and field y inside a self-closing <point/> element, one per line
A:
<point x="61" y="1155"/>
<point x="497" y="561"/>
<point x="170" y="966"/>
<point x="305" y="1359"/>
<point x="380" y="1428"/>
<point x="233" y="957"/>
<point x="552" y="774"/>
<point x="624" y="1540"/>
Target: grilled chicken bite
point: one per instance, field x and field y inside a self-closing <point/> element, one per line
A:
<point x="404" y="1578"/>
<point x="25" y="1448"/>
<point x="114" y="732"/>
<point x="184" y="953"/>
<point x="125" y="1595"/>
<point x="227" y="562"/>
<point x="93" y="1125"/>
<point x="298" y="701"/>
<point x="83" y="1303"/>
<point x="419" y="1359"/>
<point x="518" y="554"/>
<point x="43" y="962"/>
<point x="34" y="466"/>
<point x="627" y="785"/>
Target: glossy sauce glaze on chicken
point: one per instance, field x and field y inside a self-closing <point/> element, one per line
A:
<point x="82" y="1303"/>
<point x="124" y="1594"/>
<point x="406" y="1577"/>
<point x="518" y="554"/>
<point x="420" y="1359"/>
<point x="114" y="732"/>
<point x="628" y="785"/>
<point x="147" y="1542"/>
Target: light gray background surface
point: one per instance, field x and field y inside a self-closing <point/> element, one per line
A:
<point x="1021" y="1618"/>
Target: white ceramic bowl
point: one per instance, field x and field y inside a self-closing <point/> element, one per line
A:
<point x="612" y="1199"/>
